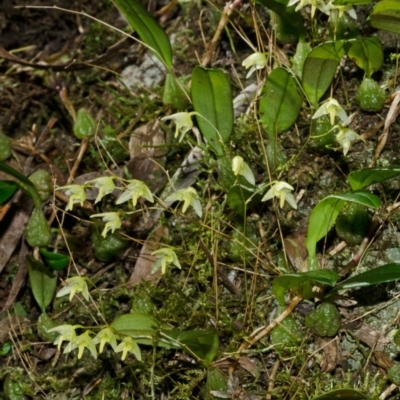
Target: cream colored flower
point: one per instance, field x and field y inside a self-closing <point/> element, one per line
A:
<point x="106" y="335"/>
<point x="190" y="197"/>
<point x="345" y="137"/>
<point x="76" y="284"/>
<point x="282" y="191"/>
<point x="334" y="109"/>
<point x="67" y="332"/>
<point x="239" y="167"/>
<point x="112" y="219"/>
<point x="164" y="257"/>
<point x="76" y="194"/>
<point x="80" y="342"/>
<point x="133" y="191"/>
<point x="128" y="345"/>
<point x="183" y="122"/>
<point x="105" y="184"/>
<point x="255" y="61"/>
<point x="315" y="4"/>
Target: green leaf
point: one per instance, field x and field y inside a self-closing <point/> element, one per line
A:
<point x="238" y="196"/>
<point x="342" y="394"/>
<point x="292" y="281"/>
<point x="324" y="215"/>
<point x="23" y="182"/>
<point x="320" y="68"/>
<point x="288" y="14"/>
<point x="386" y="16"/>
<point x="364" y="177"/>
<point x="141" y="327"/>
<point x="216" y="381"/>
<point x="212" y="99"/>
<point x="147" y="28"/>
<point x="367" y="53"/>
<point x="55" y="261"/>
<point x="7" y="189"/>
<point x="204" y="343"/>
<point x="351" y="2"/>
<point x="382" y="274"/>
<point x="144" y="329"/>
<point x="43" y="282"/>
<point x="281" y="102"/>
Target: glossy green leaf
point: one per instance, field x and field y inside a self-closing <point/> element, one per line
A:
<point x="386" y="16"/>
<point x="367" y="53"/>
<point x="285" y="282"/>
<point x="204" y="343"/>
<point x="23" y="182"/>
<point x="382" y="274"/>
<point x="147" y="28"/>
<point x="288" y="14"/>
<point x="364" y="177"/>
<point x="281" y="102"/>
<point x="342" y="394"/>
<point x="7" y="189"/>
<point x="43" y="282"/>
<point x="324" y="215"/>
<point x="320" y="68"/>
<point x="54" y="261"/>
<point x="212" y="99"/>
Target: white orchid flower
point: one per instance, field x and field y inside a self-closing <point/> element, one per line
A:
<point x="282" y="191"/>
<point x="334" y="109"/>
<point x="239" y="167"/>
<point x="183" y="122"/>
<point x="345" y="137"/>
<point x="255" y="61"/>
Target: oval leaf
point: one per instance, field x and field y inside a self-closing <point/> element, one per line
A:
<point x="367" y="54"/>
<point x="7" y="189"/>
<point x="147" y="28"/>
<point x="43" y="282"/>
<point x="280" y="106"/>
<point x="212" y="99"/>
<point x="320" y="68"/>
<point x="364" y="177"/>
<point x="383" y="274"/>
<point x="386" y="16"/>
<point x="54" y="261"/>
<point x="324" y="215"/>
<point x="204" y="343"/>
<point x="292" y="281"/>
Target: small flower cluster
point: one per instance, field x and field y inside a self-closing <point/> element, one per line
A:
<point x="327" y="7"/>
<point x="134" y="190"/>
<point x="68" y="334"/>
<point x="345" y="136"/>
<point x="105" y="184"/>
<point x="280" y="190"/>
<point x="78" y="284"/>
